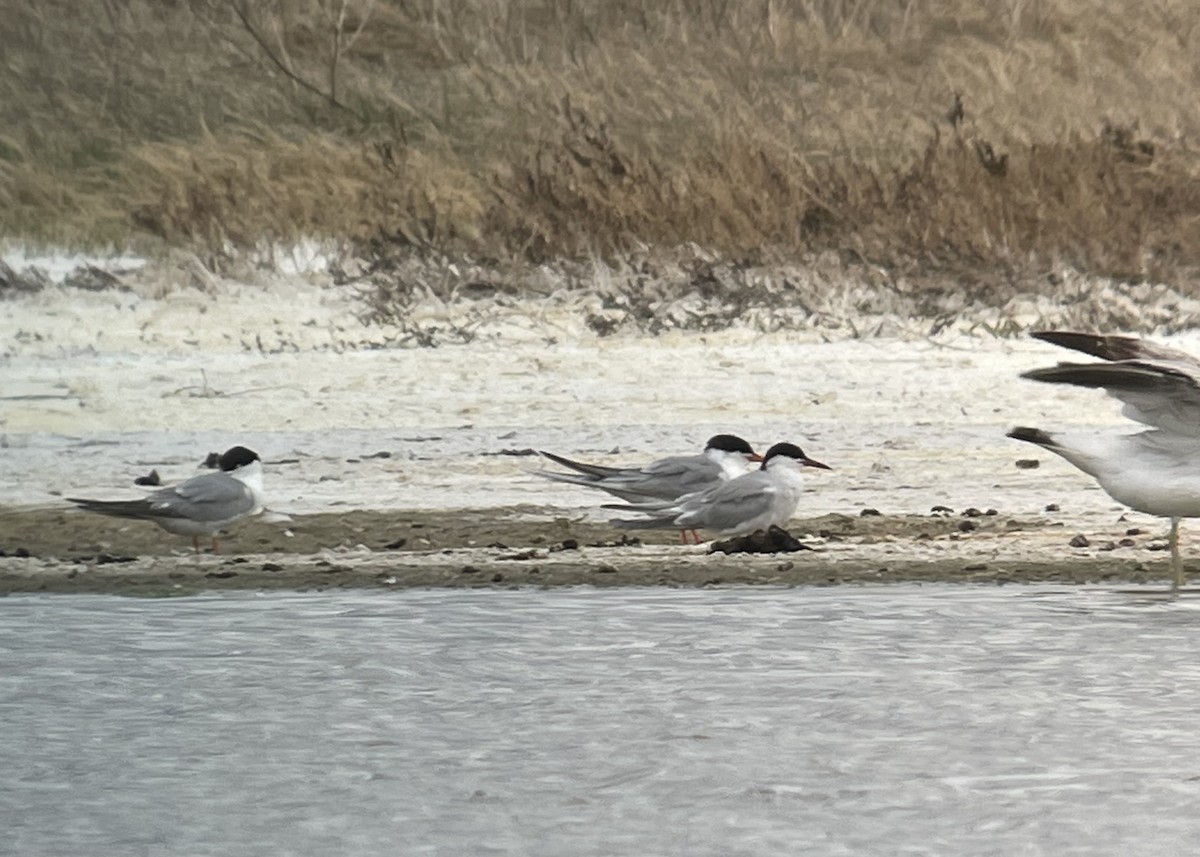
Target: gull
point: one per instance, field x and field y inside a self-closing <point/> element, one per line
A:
<point x="1155" y="471"/>
<point x="200" y="506"/>
<point x="752" y="501"/>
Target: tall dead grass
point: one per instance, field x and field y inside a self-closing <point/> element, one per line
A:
<point x="1003" y="134"/>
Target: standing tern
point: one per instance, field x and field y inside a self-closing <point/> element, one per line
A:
<point x="200" y="506"/>
<point x="1155" y="471"/>
<point x="724" y="457"/>
<point x="752" y="501"/>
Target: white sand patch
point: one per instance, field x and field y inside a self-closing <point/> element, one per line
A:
<point x="57" y="265"/>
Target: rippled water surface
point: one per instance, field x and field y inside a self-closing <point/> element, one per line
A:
<point x="891" y="720"/>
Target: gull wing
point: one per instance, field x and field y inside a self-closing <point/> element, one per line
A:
<point x="1113" y="347"/>
<point x="1159" y="386"/>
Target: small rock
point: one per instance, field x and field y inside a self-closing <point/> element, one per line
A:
<point x="272" y="566"/>
<point x="941" y="510"/>
<point x="567" y="545"/>
<point x="221" y="574"/>
<point x="106" y="559"/>
<point x="396" y="545"/>
<point x="1028" y="464"/>
<point x="967" y="526"/>
<point x="979" y="566"/>
<point x="1133" y="531"/>
<point x="870" y="513"/>
<point x="518" y="557"/>
<point x="151" y="478"/>
<point x="1052" y="507"/>
<point x="972" y="513"/>
<point x="383" y="453"/>
<point x="1080" y="541"/>
<point x="497" y="577"/>
<point x="991" y="513"/>
<point x="1127" y="543"/>
<point x="470" y="569"/>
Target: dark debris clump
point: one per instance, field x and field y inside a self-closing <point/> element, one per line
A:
<point x="773" y="540"/>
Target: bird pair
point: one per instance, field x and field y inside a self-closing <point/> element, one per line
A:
<point x="711" y="491"/>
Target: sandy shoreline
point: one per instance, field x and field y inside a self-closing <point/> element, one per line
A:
<point x="362" y="441"/>
<point x="71" y="553"/>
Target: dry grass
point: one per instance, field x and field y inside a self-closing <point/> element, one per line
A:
<point x="759" y="129"/>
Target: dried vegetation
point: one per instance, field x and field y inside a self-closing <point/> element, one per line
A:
<point x="969" y="145"/>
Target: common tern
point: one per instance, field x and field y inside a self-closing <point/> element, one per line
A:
<point x="752" y="501"/>
<point x="1155" y="471"/>
<point x="202" y="505"/>
<point x="724" y="457"/>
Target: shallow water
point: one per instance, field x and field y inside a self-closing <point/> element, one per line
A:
<point x="891" y="720"/>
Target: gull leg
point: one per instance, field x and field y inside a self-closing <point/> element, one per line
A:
<point x="1176" y="557"/>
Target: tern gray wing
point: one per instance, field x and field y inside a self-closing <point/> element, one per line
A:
<point x="115" y="508"/>
<point x="208" y="497"/>
<point x="666" y="478"/>
<point x="683" y="474"/>
<point x="730" y="505"/>
<point x="595" y="471"/>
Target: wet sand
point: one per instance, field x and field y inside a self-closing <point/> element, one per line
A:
<point x="63" y="551"/>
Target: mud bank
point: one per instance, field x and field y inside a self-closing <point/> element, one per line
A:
<point x="61" y="551"/>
